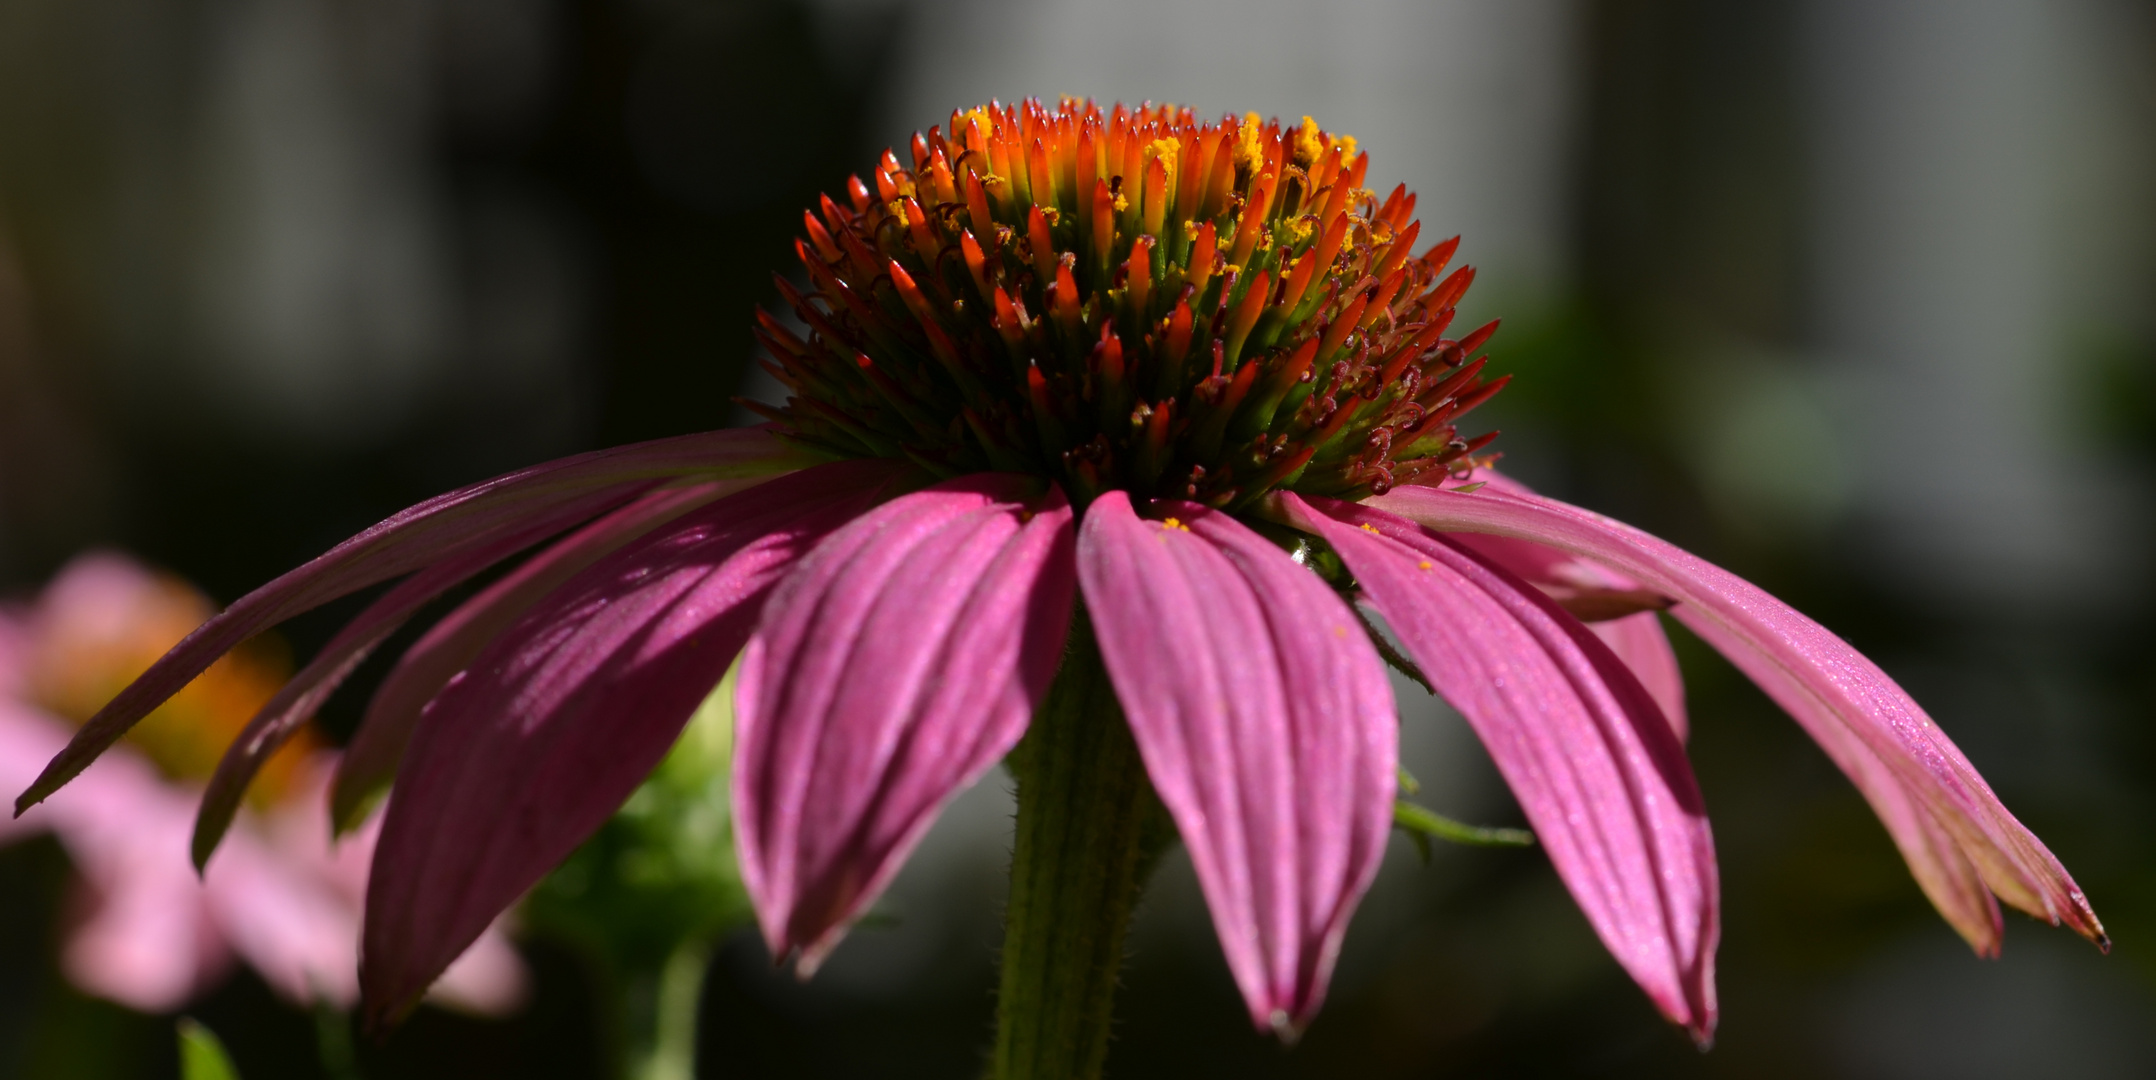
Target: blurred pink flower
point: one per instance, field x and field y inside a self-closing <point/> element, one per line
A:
<point x="149" y="933"/>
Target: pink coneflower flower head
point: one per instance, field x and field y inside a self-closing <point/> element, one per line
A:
<point x="148" y="933"/>
<point x="1111" y="414"/>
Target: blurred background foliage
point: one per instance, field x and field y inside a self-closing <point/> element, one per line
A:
<point x="1852" y="297"/>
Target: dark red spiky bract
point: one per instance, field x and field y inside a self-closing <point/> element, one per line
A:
<point x="1130" y="300"/>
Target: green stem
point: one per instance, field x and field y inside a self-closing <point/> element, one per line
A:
<point x="665" y="1036"/>
<point x="1089" y="829"/>
<point x="333" y="1042"/>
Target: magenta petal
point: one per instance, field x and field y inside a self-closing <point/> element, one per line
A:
<point x="556" y="722"/>
<point x="299" y="699"/>
<point x="1946" y="875"/>
<point x="900" y="661"/>
<point x="1637" y="639"/>
<point x="1597" y="769"/>
<point x="1852" y="704"/>
<point x="558" y="494"/>
<point x="371" y="758"/>
<point x="1643" y="646"/>
<point x="1267" y="725"/>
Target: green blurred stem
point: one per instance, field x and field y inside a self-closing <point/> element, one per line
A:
<point x="333" y="1042"/>
<point x="1089" y="829"/>
<point x="662" y="1020"/>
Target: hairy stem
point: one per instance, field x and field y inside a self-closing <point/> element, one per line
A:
<point x="1089" y="830"/>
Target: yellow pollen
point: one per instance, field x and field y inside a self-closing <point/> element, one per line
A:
<point x="1369" y="528"/>
<point x="1423" y="565"/>
<point x="1173" y="525"/>
<point x="1297" y="230"/>
<point x="1122" y="204"/>
<point x="1307" y="144"/>
<point x="1165" y="151"/>
<point x="1248" y="153"/>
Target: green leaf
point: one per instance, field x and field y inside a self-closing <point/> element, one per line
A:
<point x="1422" y="825"/>
<point x="202" y="1057"/>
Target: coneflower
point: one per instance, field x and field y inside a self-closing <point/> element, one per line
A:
<point x="1101" y="425"/>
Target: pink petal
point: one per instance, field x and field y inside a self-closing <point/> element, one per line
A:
<point x="289" y="900"/>
<point x="1267" y="725"/>
<point x="1847" y="692"/>
<point x="147" y="939"/>
<point x="900" y="661"/>
<point x="301" y="697"/>
<point x="558" y="494"/>
<point x="291" y="926"/>
<point x="1642" y="646"/>
<point x="1596" y="767"/>
<point x="371" y="758"/>
<point x="557" y="721"/>
<point x="1637" y="639"/>
<point x="1946" y="875"/>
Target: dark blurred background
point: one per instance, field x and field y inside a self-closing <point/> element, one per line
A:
<point x="1855" y="297"/>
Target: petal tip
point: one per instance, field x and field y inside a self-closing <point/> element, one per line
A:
<point x="42" y="788"/>
<point x="379" y="1019"/>
<point x="2094" y="931"/>
<point x="2083" y="920"/>
<point x="211" y="824"/>
<point x="1285" y="1028"/>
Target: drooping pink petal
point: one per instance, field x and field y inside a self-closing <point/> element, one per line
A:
<point x="1947" y="877"/>
<point x="560" y="493"/>
<point x="1588" y="591"/>
<point x="370" y="758"/>
<point x="900" y="661"/>
<point x="289" y="898"/>
<point x="1846" y="689"/>
<point x="1266" y="722"/>
<point x="1643" y="646"/>
<point x="297" y="702"/>
<point x="556" y="722"/>
<point x="489" y="979"/>
<point x="1599" y="772"/>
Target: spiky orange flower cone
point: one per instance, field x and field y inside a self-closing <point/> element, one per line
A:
<point x="1131" y="300"/>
